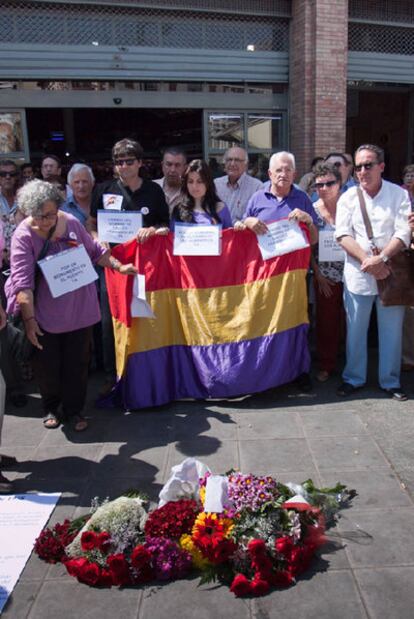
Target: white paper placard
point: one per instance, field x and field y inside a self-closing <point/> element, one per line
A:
<point x="329" y="250"/>
<point x="282" y="237"/>
<point x="197" y="240"/>
<point x="22" y="518"/>
<point x="140" y="308"/>
<point x="118" y="226"/>
<point x="112" y="201"/>
<point x="217" y="498"/>
<point x="68" y="270"/>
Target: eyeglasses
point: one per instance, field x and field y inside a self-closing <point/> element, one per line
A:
<point x="366" y="166"/>
<point x="120" y="162"/>
<point x="11" y="174"/>
<point x="327" y="184"/>
<point x="337" y="164"/>
<point x="46" y="217"/>
<point x="234" y="160"/>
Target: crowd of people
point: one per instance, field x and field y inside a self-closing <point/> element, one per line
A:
<point x="44" y="217"/>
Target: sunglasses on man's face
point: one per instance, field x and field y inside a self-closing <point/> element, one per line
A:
<point x="366" y="166"/>
<point x="11" y="174"/>
<point x="327" y="184"/>
<point x="120" y="162"/>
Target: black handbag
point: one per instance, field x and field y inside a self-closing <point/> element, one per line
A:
<point x="398" y="287"/>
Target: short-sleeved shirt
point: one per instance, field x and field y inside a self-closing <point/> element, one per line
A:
<point x="267" y="207"/>
<point x="388" y="212"/>
<point x="237" y="195"/>
<point x="172" y="198"/>
<point x="203" y="218"/>
<point x="72" y="207"/>
<point x="149" y="199"/>
<point x="69" y="312"/>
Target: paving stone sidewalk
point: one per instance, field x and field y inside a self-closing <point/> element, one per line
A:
<point x="367" y="569"/>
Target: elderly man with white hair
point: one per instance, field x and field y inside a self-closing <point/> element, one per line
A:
<point x="81" y="181"/>
<point x="236" y="187"/>
<point x="282" y="199"/>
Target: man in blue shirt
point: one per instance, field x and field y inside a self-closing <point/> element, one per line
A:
<point x="282" y="200"/>
<point x="81" y="181"/>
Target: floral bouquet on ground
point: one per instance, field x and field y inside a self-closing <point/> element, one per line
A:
<point x="247" y="531"/>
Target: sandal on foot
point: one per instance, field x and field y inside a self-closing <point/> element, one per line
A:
<point x="79" y="423"/>
<point x="51" y="422"/>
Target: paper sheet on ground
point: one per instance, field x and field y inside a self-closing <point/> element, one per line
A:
<point x="68" y="270"/>
<point x="140" y="308"/>
<point x="328" y="249"/>
<point x="22" y="518"/>
<point x="196" y="240"/>
<point x="282" y="237"/>
<point x="118" y="226"/>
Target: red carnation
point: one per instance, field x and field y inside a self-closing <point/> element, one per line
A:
<point x="89" y="573"/>
<point x="284" y="544"/>
<point x="89" y="540"/>
<point x="172" y="519"/>
<point x="222" y="551"/>
<point x="140" y="557"/>
<point x="241" y="585"/>
<point x="105" y="579"/>
<point x="259" y="586"/>
<point x="74" y="566"/>
<point x="119" y="569"/>
<point x="103" y="541"/>
<point x="256" y="547"/>
<point x="282" y="578"/>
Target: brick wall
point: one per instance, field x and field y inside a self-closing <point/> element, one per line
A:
<point x="317" y="84"/>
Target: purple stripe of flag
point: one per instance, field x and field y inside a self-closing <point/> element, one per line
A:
<point x="166" y="374"/>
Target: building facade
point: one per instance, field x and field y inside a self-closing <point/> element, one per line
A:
<point x="308" y="75"/>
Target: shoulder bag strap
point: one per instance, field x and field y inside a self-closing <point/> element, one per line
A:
<point x="367" y="221"/>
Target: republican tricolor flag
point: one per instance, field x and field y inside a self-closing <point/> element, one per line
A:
<point x="224" y="325"/>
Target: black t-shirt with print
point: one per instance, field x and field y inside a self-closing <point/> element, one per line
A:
<point x="149" y="199"/>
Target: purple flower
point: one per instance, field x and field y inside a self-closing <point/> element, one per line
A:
<point x="168" y="559"/>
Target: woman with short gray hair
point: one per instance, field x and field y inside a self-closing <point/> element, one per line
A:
<point x="58" y="327"/>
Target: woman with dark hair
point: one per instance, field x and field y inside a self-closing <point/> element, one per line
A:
<point x="327" y="276"/>
<point x="201" y="204"/>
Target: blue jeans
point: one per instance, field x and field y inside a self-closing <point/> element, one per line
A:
<point x="390" y="320"/>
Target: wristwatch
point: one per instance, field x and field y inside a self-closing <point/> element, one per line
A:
<point x="384" y="258"/>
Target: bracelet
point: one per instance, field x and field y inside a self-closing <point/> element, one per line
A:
<point x="30" y="318"/>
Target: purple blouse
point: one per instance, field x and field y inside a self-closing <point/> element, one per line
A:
<point x="73" y="310"/>
<point x="203" y="218"/>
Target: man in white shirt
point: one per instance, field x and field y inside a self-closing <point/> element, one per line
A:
<point x="236" y="188"/>
<point x="174" y="163"/>
<point x="387" y="206"/>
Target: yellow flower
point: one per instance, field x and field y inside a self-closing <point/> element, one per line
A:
<point x="202" y="494"/>
<point x="199" y="562"/>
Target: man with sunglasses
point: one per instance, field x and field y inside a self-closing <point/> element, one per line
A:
<point x="387" y="207"/>
<point x="9" y="177"/>
<point x="126" y="192"/>
<point x="340" y="161"/>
